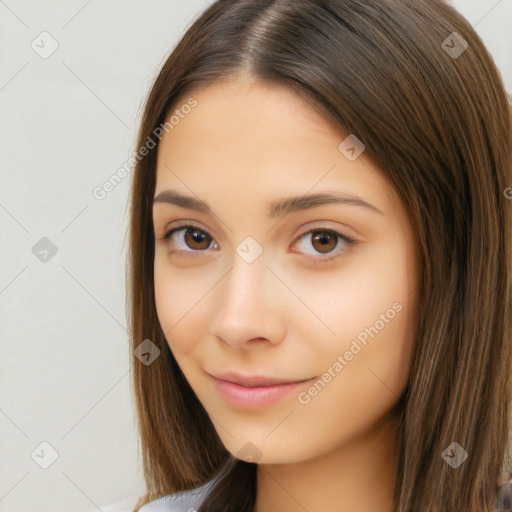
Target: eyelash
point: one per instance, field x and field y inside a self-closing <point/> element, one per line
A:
<point x="320" y="260"/>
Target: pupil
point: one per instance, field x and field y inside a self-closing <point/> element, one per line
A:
<point x="325" y="238"/>
<point x="197" y="236"/>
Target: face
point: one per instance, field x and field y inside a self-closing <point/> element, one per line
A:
<point x="320" y="291"/>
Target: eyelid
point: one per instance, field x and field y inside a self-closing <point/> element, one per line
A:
<point x="349" y="240"/>
<point x="323" y="225"/>
<point x="182" y="224"/>
<point x="332" y="257"/>
<point x="318" y="225"/>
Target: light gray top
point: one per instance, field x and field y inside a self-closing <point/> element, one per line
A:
<point x="185" y="501"/>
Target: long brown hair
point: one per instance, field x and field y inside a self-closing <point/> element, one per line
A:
<point x="432" y="111"/>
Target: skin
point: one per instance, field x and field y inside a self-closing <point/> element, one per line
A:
<point x="245" y="144"/>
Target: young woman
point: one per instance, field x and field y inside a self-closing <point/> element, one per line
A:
<point x="320" y="263"/>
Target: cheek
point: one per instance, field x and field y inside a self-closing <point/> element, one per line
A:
<point x="181" y="298"/>
<point x="369" y="307"/>
<point x="353" y="392"/>
<point x="363" y="295"/>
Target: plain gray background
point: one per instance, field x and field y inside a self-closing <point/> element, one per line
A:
<point x="68" y="122"/>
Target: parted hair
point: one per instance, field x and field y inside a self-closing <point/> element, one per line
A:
<point x="415" y="83"/>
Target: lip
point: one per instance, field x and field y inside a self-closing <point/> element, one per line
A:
<point x="252" y="381"/>
<point x="256" y="390"/>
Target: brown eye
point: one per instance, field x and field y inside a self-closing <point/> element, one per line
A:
<point x="190" y="238"/>
<point x="195" y="239"/>
<point x="324" y="241"/>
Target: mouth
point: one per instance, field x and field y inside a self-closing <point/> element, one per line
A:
<point x="253" y="381"/>
<point x="256" y="390"/>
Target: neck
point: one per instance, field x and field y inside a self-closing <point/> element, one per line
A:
<point x="357" y="475"/>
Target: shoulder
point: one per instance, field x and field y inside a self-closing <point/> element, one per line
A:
<point x="185" y="501"/>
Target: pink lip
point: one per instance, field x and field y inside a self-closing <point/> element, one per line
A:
<point x="256" y="396"/>
<point x="251" y="381"/>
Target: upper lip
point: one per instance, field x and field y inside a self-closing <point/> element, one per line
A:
<point x="252" y="381"/>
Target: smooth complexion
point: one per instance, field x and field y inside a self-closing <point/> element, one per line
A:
<point x="288" y="314"/>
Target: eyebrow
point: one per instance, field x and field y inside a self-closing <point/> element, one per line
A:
<point x="276" y="208"/>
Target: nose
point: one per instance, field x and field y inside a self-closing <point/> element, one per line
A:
<point x="250" y="306"/>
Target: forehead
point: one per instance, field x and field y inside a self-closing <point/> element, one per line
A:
<point x="257" y="137"/>
<point x="231" y="112"/>
<point x="260" y="99"/>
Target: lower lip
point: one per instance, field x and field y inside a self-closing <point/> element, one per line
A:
<point x="258" y="396"/>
